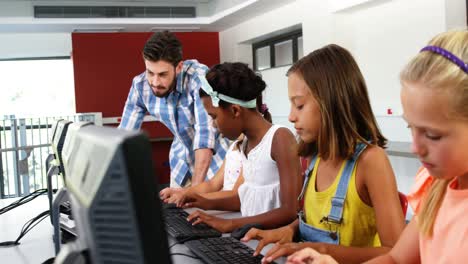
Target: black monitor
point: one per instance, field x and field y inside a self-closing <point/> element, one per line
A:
<point x="113" y="193"/>
<point x="58" y="139"/>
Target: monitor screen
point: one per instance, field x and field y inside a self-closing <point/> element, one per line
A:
<point x="69" y="144"/>
<point x="113" y="193"/>
<point x="58" y="138"/>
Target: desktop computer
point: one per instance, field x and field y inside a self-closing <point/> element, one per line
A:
<point x="69" y="144"/>
<point x="114" y="197"/>
<point x="64" y="134"/>
<point x="54" y="163"/>
<point x="57" y="142"/>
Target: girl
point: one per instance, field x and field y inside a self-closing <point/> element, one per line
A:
<point x="350" y="192"/>
<point x="225" y="182"/>
<point x="434" y="96"/>
<point x="270" y="165"/>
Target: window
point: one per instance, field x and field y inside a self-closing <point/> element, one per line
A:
<point x="37" y="87"/>
<point x="278" y="51"/>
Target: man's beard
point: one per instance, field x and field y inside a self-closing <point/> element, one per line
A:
<point x="167" y="92"/>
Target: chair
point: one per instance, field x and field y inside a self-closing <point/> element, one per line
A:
<point x="403" y="202"/>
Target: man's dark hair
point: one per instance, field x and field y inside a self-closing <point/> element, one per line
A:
<point x="163" y="46"/>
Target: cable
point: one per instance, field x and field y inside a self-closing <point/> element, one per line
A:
<point x="24" y="200"/>
<point x="183" y="254"/>
<point x="28" y="226"/>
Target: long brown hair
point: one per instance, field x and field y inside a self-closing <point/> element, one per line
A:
<point x="337" y="84"/>
<point x="437" y="72"/>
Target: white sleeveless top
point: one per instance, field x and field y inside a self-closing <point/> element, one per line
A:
<point x="260" y="191"/>
<point x="232" y="167"/>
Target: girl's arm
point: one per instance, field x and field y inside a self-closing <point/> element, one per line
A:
<point x="180" y="195"/>
<point x="376" y="184"/>
<point x="222" y="200"/>
<point x="226" y="193"/>
<point x="213" y="185"/>
<point x="284" y="152"/>
<point x="406" y="249"/>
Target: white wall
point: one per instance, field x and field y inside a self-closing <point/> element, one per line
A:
<point x="382" y="35"/>
<point x="26" y="45"/>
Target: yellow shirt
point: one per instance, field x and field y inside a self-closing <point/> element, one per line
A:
<point x="359" y="224"/>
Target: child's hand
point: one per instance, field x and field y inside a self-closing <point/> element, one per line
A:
<point x="280" y="250"/>
<point x="166" y="193"/>
<point x="280" y="235"/>
<point x="177" y="197"/>
<point x="196" y="200"/>
<point x="220" y="224"/>
<point x="310" y="256"/>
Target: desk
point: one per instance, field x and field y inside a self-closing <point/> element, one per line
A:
<point x="37" y="245"/>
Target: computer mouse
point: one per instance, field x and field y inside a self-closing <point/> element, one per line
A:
<point x="240" y="232"/>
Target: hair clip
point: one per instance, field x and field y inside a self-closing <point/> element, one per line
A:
<point x="448" y="55"/>
<point x="215" y="96"/>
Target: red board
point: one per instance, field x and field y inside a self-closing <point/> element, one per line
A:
<point x="105" y="64"/>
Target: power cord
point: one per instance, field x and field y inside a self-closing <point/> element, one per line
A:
<point x="28" y="226"/>
<point x="24" y="200"/>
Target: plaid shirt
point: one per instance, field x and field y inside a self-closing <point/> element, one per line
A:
<point x="183" y="113"/>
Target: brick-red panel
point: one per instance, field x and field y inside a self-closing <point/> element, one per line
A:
<point x="105" y="64"/>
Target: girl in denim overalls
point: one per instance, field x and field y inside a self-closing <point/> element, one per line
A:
<point x="351" y="208"/>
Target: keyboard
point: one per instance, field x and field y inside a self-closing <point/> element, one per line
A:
<point x="223" y="250"/>
<point x="179" y="228"/>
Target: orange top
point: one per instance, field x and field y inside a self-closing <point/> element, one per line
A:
<point x="449" y="242"/>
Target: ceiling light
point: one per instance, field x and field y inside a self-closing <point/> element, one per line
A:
<point x="175" y="28"/>
<point x="98" y="30"/>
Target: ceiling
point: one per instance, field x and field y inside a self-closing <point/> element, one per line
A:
<point x="212" y="15"/>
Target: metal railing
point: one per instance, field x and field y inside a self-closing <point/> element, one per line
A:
<point x="24" y="148"/>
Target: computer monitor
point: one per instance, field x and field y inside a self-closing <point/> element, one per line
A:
<point x="113" y="193"/>
<point x="69" y="144"/>
<point x="58" y="139"/>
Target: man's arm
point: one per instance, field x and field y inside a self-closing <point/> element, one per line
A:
<point x="134" y="109"/>
<point x="204" y="140"/>
<point x="202" y="163"/>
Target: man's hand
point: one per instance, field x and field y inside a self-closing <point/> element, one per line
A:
<point x="280" y="235"/>
<point x="220" y="224"/>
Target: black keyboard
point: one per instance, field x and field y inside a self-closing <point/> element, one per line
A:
<point x="179" y="228"/>
<point x="223" y="250"/>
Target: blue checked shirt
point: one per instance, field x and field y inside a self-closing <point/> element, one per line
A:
<point x="183" y="113"/>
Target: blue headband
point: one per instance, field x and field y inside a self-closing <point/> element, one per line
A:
<point x="448" y="55"/>
<point x="215" y="96"/>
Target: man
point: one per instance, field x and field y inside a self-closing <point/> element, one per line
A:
<point x="168" y="90"/>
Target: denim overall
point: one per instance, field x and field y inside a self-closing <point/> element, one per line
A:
<point x="334" y="218"/>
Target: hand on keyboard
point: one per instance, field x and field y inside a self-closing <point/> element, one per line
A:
<point x="220" y="224"/>
<point x="287" y="249"/>
<point x="167" y="193"/>
<point x="309" y="255"/>
<point x="196" y="200"/>
<point x="280" y="235"/>
<point x="177" y="197"/>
